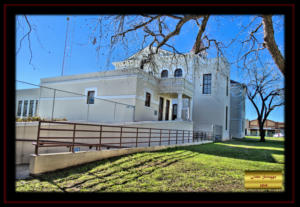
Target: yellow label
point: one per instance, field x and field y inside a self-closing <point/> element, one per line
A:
<point x="263" y="179"/>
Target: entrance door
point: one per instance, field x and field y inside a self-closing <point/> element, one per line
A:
<point x="161" y="107"/>
<point x="167" y="110"/>
<point x="174" y="112"/>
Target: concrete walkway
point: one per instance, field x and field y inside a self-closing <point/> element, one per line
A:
<point x="22" y="171"/>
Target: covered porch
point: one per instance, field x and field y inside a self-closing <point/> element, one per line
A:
<point x="175" y="99"/>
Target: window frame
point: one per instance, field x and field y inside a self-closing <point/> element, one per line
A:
<point x="89" y="100"/>
<point x="31" y="106"/>
<point x="206" y="89"/>
<point x="147" y="101"/>
<point x="227" y="86"/>
<point x="166" y="71"/>
<point x="226" y="118"/>
<point x="20" y="104"/>
<point x="180" y="74"/>
<point x="25" y="108"/>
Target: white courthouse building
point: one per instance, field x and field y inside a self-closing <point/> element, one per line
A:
<point x="185" y="88"/>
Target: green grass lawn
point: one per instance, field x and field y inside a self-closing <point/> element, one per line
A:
<point x="215" y="167"/>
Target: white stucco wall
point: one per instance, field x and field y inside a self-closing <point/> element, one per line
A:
<point x="237" y="110"/>
<point x="211" y="108"/>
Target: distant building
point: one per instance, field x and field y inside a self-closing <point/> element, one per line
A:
<point x="271" y="127"/>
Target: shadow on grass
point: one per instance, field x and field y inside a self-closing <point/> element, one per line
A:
<point x="108" y="178"/>
<point x="113" y="162"/>
<point x="223" y="150"/>
<point x="256" y="142"/>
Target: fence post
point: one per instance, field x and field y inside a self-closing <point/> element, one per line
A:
<point x="100" y="137"/>
<point x="183" y="136"/>
<point x="160" y="138"/>
<point x="121" y="136"/>
<point x="53" y="105"/>
<point x="74" y="129"/>
<point x="38" y="140"/>
<point x="189" y="137"/>
<point x="137" y="136"/>
<point x="169" y="138"/>
<point x="176" y="135"/>
<point x="150" y="138"/>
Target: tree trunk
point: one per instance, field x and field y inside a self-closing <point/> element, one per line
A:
<point x="262" y="135"/>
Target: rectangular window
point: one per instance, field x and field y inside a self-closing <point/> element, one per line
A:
<point x="91" y="97"/>
<point x="36" y="107"/>
<point x="25" y="108"/>
<point x="19" y="108"/>
<point x="31" y="108"/>
<point x="207" y="84"/>
<point x="148" y="99"/>
<point x="226" y="117"/>
<point x="227" y="87"/>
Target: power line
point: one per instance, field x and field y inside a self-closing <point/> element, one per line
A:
<point x="79" y="94"/>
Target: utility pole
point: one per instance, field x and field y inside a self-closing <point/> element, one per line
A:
<point x="63" y="63"/>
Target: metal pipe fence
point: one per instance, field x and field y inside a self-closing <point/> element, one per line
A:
<point x="71" y="135"/>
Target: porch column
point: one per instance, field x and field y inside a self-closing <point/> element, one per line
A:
<point x="179" y="106"/>
<point x="191" y="109"/>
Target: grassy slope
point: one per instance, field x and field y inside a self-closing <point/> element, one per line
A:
<point x="217" y="167"/>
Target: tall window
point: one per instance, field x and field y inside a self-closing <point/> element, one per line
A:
<point x="148" y="99"/>
<point x="36" y="107"/>
<point x="226" y="122"/>
<point x="25" y="108"/>
<point x="207" y="84"/>
<point x="164" y="74"/>
<point x="19" y="108"/>
<point x="90" y="97"/>
<point x="178" y="72"/>
<point x="31" y="108"/>
<point x="227" y="87"/>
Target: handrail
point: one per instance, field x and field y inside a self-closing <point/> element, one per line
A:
<point x="127" y="137"/>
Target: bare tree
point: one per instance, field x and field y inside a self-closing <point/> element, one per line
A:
<point x="160" y="30"/>
<point x="265" y="92"/>
<point x="156" y="27"/>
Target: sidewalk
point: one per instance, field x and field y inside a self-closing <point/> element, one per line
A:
<point x="22" y="171"/>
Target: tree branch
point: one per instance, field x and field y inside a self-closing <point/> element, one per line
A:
<point x="269" y="42"/>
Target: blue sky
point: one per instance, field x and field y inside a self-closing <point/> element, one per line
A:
<point x="49" y="35"/>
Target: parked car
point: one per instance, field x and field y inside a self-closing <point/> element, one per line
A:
<point x="278" y="135"/>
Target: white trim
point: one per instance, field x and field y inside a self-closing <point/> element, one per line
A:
<point x="86" y="90"/>
<point x="35" y="108"/>
<point x="143" y="99"/>
<point x="83" y="79"/>
<point x="117" y="97"/>
<point x="83" y="97"/>
<point x="64" y="98"/>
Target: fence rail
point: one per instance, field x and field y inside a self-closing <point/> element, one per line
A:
<point x="110" y="136"/>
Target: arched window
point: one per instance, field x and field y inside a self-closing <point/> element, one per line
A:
<point x="178" y="72"/>
<point x="164" y="74"/>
